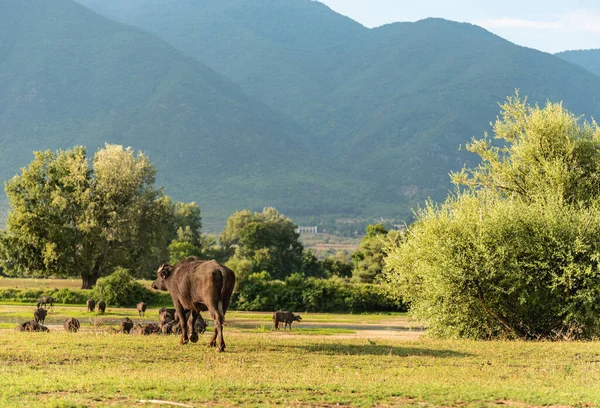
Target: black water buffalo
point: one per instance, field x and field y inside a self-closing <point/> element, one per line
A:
<point x="287" y="318"/>
<point x="102" y="306"/>
<point x="40" y="315"/>
<point x="141" y="308"/>
<point x="197" y="286"/>
<point x="126" y="325"/>
<point x="91" y="305"/>
<point x="45" y="300"/>
<point x="72" y="325"/>
<point x="31" y="326"/>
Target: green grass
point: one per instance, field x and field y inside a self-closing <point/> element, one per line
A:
<point x="266" y="369"/>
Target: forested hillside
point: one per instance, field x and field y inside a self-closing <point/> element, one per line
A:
<point x="243" y="104"/>
<point x="390" y="105"/>
<point x="69" y="76"/>
<point x="588" y="59"/>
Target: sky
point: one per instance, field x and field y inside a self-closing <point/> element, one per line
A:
<point x="547" y="25"/>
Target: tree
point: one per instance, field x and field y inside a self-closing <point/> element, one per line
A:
<point x="70" y="219"/>
<point x="514" y="251"/>
<point x="267" y="239"/>
<point x="368" y="259"/>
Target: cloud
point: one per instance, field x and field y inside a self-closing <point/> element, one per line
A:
<point x="581" y="20"/>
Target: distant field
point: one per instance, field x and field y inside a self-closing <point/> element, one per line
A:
<point x="292" y="369"/>
<point x="327" y="244"/>
<point x="30" y="283"/>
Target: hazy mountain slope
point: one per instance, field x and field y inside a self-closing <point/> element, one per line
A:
<point x="69" y="76"/>
<point x="428" y="87"/>
<point x="588" y="59"/>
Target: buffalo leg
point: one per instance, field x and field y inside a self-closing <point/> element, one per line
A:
<point x="217" y="338"/>
<point x="192" y="327"/>
<point x="182" y="323"/>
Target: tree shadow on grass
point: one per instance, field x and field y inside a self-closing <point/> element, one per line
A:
<point x="374" y="350"/>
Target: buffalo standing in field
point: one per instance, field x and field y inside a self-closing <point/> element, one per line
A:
<point x="102" y="306"/>
<point x="141" y="308"/>
<point x="126" y="325"/>
<point x="91" y="305"/>
<point x="40" y="315"/>
<point x="197" y="286"/>
<point x="45" y="300"/>
<point x="31" y="326"/>
<point x="287" y="318"/>
<point x="72" y="325"/>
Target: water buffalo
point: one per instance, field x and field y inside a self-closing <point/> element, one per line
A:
<point x="45" y="300"/>
<point x="141" y="308"/>
<point x="163" y="313"/>
<point x="285" y="317"/>
<point x="71" y="325"/>
<point x="40" y="315"/>
<point x="91" y="305"/>
<point x="102" y="306"/>
<point x="31" y="326"/>
<point x="197" y="286"/>
<point x="126" y="325"/>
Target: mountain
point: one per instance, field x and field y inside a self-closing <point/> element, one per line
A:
<point x="69" y="76"/>
<point x="588" y="59"/>
<point x="389" y="105"/>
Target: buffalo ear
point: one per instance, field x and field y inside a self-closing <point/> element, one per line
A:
<point x="165" y="271"/>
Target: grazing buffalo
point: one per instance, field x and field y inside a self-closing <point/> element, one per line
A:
<point x="102" y="306"/>
<point x="197" y="285"/>
<point x="44" y="300"/>
<point x="72" y="325"/>
<point x="31" y="326"/>
<point x="126" y="325"/>
<point x="40" y="315"/>
<point x="285" y="317"/>
<point x="91" y="305"/>
<point x="152" y="328"/>
<point x="141" y="308"/>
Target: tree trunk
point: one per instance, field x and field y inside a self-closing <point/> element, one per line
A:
<point x="89" y="279"/>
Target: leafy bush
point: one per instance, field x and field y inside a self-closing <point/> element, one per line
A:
<point x="121" y="289"/>
<point x="71" y="297"/>
<point x="21" y="295"/>
<point x="297" y="293"/>
<point x="516" y="253"/>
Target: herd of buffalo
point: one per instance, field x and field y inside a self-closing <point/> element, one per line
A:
<point x="195" y="286"/>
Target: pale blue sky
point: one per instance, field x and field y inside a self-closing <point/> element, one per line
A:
<point x="548" y="25"/>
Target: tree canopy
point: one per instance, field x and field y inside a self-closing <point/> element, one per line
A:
<point x="69" y="218"/>
<point x="268" y="239"/>
<point x="514" y="251"/>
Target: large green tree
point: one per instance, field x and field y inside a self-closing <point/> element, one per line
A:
<point x="515" y="251"/>
<point x="268" y="239"/>
<point x="68" y="218"/>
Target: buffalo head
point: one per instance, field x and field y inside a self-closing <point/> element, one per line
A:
<point x="163" y="273"/>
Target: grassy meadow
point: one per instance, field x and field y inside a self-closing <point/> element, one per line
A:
<point x="275" y="368"/>
<point x="327" y="359"/>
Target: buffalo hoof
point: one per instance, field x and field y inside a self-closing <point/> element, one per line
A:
<point x="194" y="338"/>
<point x="212" y="344"/>
<point x="183" y="341"/>
<point x="221" y="348"/>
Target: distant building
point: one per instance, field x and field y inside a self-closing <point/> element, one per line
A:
<point x="307" y="230"/>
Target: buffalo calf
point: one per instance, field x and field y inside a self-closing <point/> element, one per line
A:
<point x="102" y="306"/>
<point x="141" y="308"/>
<point x="72" y="325"/>
<point x="91" y="305"/>
<point x="287" y="318"/>
<point x="40" y="315"/>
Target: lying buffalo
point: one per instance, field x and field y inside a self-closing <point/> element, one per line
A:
<point x="165" y="313"/>
<point x="31" y="326"/>
<point x="141" y="308"/>
<point x="44" y="300"/>
<point x="40" y="315"/>
<point x="287" y="318"/>
<point x="91" y="305"/>
<point x="197" y="286"/>
<point x="72" y="325"/>
<point x="102" y="306"/>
